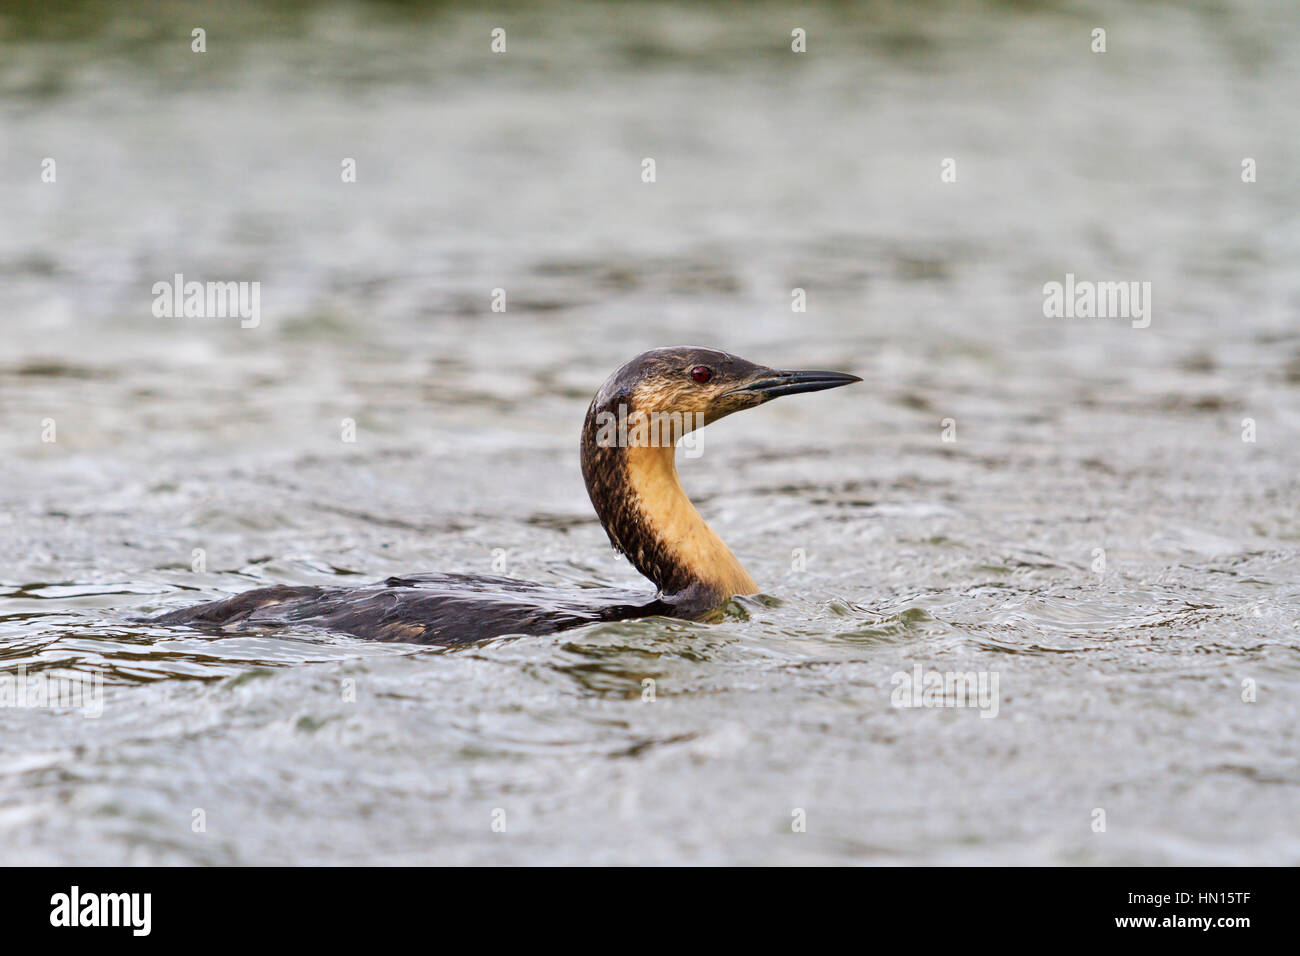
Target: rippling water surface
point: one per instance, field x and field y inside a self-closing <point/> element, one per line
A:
<point x="879" y="545"/>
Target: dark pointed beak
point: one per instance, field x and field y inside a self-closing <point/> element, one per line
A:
<point x="792" y="383"/>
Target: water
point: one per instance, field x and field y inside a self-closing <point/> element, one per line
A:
<point x="1119" y="688"/>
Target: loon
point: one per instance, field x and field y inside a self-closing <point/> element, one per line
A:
<point x="628" y="443"/>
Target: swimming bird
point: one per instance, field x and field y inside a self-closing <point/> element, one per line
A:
<point x="628" y="445"/>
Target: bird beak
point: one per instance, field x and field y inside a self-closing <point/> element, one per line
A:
<point x="773" y="384"/>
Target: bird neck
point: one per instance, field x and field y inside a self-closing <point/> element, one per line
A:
<point x="645" y="512"/>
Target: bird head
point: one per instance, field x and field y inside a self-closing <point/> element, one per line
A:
<point x="669" y="392"/>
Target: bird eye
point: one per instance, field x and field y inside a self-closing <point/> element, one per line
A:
<point x="701" y="373"/>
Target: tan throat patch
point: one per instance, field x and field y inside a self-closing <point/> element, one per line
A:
<point x="676" y="524"/>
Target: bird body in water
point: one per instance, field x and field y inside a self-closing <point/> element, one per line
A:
<point x="629" y="439"/>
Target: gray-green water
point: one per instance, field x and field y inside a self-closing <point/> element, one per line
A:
<point x="1120" y="687"/>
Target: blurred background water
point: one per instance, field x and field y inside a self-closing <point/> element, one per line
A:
<point x="1120" y="687"/>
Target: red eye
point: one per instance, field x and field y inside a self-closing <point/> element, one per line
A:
<point x="701" y="373"/>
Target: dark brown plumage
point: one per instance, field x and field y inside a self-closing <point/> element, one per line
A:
<point x="659" y="397"/>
